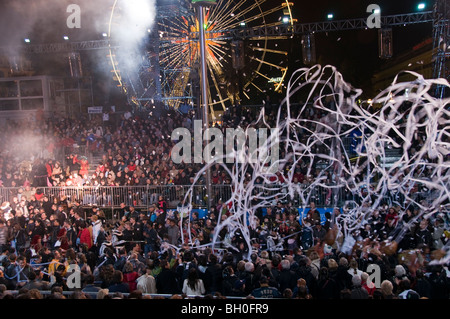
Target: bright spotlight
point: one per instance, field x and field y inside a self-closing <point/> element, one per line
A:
<point x="285" y="19"/>
<point x="65" y="37"/>
<point x="330" y="16"/>
<point x="27" y="40"/>
<point x="421" y="6"/>
<point x="104" y="34"/>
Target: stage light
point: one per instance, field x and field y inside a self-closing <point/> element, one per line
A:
<point x="330" y="16"/>
<point x="285" y="20"/>
<point x="242" y="24"/>
<point x="65" y="37"/>
<point x="104" y="34"/>
<point x="27" y="40"/>
<point x="421" y="6"/>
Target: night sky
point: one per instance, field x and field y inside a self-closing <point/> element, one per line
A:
<point x="354" y="53"/>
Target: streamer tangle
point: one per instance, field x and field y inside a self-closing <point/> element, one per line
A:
<point x="404" y="118"/>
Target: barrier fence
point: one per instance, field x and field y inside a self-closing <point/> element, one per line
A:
<point x="144" y="196"/>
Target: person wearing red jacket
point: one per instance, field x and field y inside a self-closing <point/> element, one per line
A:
<point x="130" y="276"/>
<point x="392" y="214"/>
<point x="85" y="236"/>
<point x="84" y="165"/>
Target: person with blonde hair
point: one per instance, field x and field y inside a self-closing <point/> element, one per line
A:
<point x="387" y="289"/>
<point x="96" y="226"/>
<point x="102" y="293"/>
<point x="332" y="264"/>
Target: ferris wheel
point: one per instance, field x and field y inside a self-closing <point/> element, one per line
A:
<point x="239" y="67"/>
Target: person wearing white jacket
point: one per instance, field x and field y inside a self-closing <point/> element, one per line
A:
<point x="147" y="283"/>
<point x="193" y="286"/>
<point x="96" y="225"/>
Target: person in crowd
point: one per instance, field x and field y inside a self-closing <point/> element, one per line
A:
<point x="193" y="285"/>
<point x="36" y="256"/>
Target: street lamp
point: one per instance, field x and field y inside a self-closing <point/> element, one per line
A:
<point x="201" y="4"/>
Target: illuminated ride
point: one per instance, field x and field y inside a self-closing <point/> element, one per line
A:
<point x="241" y="66"/>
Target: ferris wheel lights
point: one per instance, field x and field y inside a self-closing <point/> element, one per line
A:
<point x="285" y="4"/>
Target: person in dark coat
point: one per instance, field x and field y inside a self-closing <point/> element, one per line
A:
<point x="440" y="284"/>
<point x="358" y="292"/>
<point x="342" y="277"/>
<point x="229" y="283"/>
<point x="423" y="235"/>
<point x="117" y="284"/>
<point x="304" y="272"/>
<point x="250" y="277"/>
<point x="422" y="286"/>
<point x="214" y="271"/>
<point x="287" y="278"/>
<point x="326" y="286"/>
<point x="166" y="281"/>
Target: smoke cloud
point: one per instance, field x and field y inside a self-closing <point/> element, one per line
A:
<point x="45" y="21"/>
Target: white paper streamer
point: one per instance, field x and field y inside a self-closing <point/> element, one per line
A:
<point x="408" y="119"/>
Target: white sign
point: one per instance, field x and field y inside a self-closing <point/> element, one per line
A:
<point x="95" y="109"/>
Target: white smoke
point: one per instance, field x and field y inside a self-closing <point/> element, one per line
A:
<point x="45" y="21"/>
<point x="129" y="26"/>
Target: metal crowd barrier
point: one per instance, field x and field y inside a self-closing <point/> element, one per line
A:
<point x="144" y="196"/>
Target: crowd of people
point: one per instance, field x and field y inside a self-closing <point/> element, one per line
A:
<point x="135" y="150"/>
<point x="156" y="252"/>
